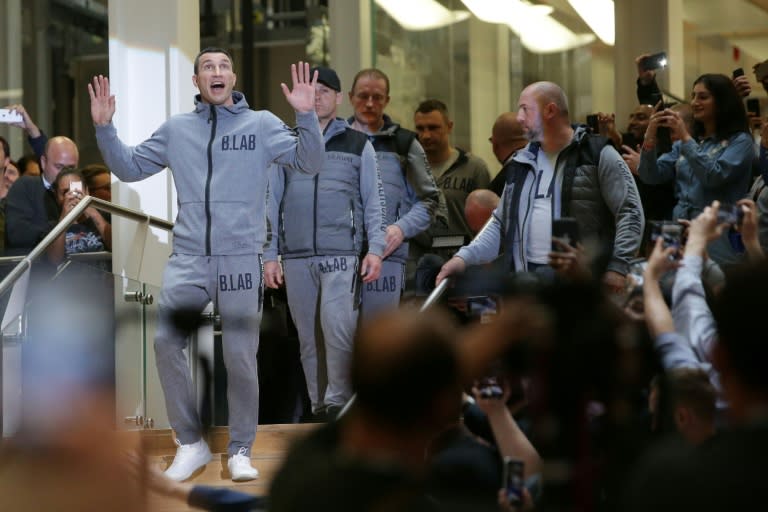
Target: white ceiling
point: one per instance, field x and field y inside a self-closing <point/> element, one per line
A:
<point x="740" y="22"/>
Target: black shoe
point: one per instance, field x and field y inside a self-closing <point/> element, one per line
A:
<point x="315" y="417"/>
<point x="332" y="412"/>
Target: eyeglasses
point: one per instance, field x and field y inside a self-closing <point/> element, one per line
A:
<point x="374" y="98"/>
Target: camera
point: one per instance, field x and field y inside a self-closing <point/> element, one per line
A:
<point x="738" y="72"/>
<point x="76" y="187"/>
<point x="730" y="214"/>
<point x="482" y="307"/>
<point x="670" y="232"/>
<point x="10" y="116"/>
<point x="514" y="480"/>
<point x="489" y="387"/>
<point x="753" y="107"/>
<point x="593" y="124"/>
<point x="655" y="61"/>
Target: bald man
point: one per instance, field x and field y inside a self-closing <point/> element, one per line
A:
<point x="478" y="208"/>
<point x="31" y="210"/>
<point x="507" y="136"/>
<point x="562" y="172"/>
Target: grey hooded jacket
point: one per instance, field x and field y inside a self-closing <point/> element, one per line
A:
<point x="601" y="195"/>
<point x="219" y="157"/>
<point x="330" y="212"/>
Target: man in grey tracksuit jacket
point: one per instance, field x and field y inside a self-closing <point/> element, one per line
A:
<point x="321" y="221"/>
<point x="219" y="155"/>
<point x="412" y="196"/>
<point x="318" y="226"/>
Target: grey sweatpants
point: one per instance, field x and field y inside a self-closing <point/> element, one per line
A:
<point x="235" y="284"/>
<point x="323" y="297"/>
<point x="384" y="293"/>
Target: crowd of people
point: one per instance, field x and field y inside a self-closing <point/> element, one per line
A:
<point x="593" y="352"/>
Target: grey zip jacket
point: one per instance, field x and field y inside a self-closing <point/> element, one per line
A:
<point x="218" y="156"/>
<point x="601" y="195"/>
<point x="409" y="187"/>
<point x="333" y="211"/>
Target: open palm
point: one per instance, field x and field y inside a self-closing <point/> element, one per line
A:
<point x="302" y="96"/>
<point x="102" y="102"/>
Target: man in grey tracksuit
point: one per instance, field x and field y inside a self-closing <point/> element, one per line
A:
<point x="412" y="196"/>
<point x="219" y="155"/>
<point x="318" y="225"/>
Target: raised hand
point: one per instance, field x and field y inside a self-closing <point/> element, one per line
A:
<point x="302" y="97"/>
<point x="26" y="123"/>
<point x="646" y="76"/>
<point x="102" y="102"/>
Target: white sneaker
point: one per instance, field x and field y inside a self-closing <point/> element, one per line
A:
<point x="189" y="458"/>
<point x="240" y="468"/>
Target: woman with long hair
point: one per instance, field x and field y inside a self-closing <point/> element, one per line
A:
<point x="712" y="163"/>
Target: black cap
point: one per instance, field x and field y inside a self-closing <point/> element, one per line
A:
<point x="327" y="77"/>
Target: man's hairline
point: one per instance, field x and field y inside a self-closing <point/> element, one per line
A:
<point x="200" y="60"/>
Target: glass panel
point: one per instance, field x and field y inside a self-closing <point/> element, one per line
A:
<point x="11" y="345"/>
<point x="114" y="310"/>
<point x="155" y="402"/>
<point x="130" y="354"/>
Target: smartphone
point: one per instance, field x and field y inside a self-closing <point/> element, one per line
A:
<point x="730" y="214"/>
<point x="489" y="387"/>
<point x="482" y="307"/>
<point x="663" y="134"/>
<point x="10" y="116"/>
<point x="593" y="124"/>
<point x="761" y="71"/>
<point x="738" y="72"/>
<point x="671" y="233"/>
<point x="566" y="231"/>
<point x="514" y="480"/>
<point x="655" y="61"/>
<point x="76" y="186"/>
<point x="753" y="106"/>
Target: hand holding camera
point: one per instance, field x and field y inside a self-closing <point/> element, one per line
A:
<point x="748" y="228"/>
<point x="662" y="260"/>
<point x="708" y="226"/>
<point x="671" y="120"/>
<point x="647" y="65"/>
<point x="72" y="197"/>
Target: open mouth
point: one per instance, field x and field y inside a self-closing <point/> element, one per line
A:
<point x="218" y="86"/>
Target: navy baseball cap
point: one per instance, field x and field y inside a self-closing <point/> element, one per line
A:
<point x="327" y="77"/>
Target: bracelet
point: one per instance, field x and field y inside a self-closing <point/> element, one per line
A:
<point x="649" y="144"/>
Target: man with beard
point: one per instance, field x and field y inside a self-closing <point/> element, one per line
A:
<point x="562" y="172"/>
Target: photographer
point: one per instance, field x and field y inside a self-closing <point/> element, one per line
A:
<point x="89" y="233"/>
<point x="713" y="162"/>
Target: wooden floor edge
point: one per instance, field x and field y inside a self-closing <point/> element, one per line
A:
<point x="269" y="438"/>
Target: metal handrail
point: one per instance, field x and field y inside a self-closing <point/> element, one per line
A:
<point x="88" y="201"/>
